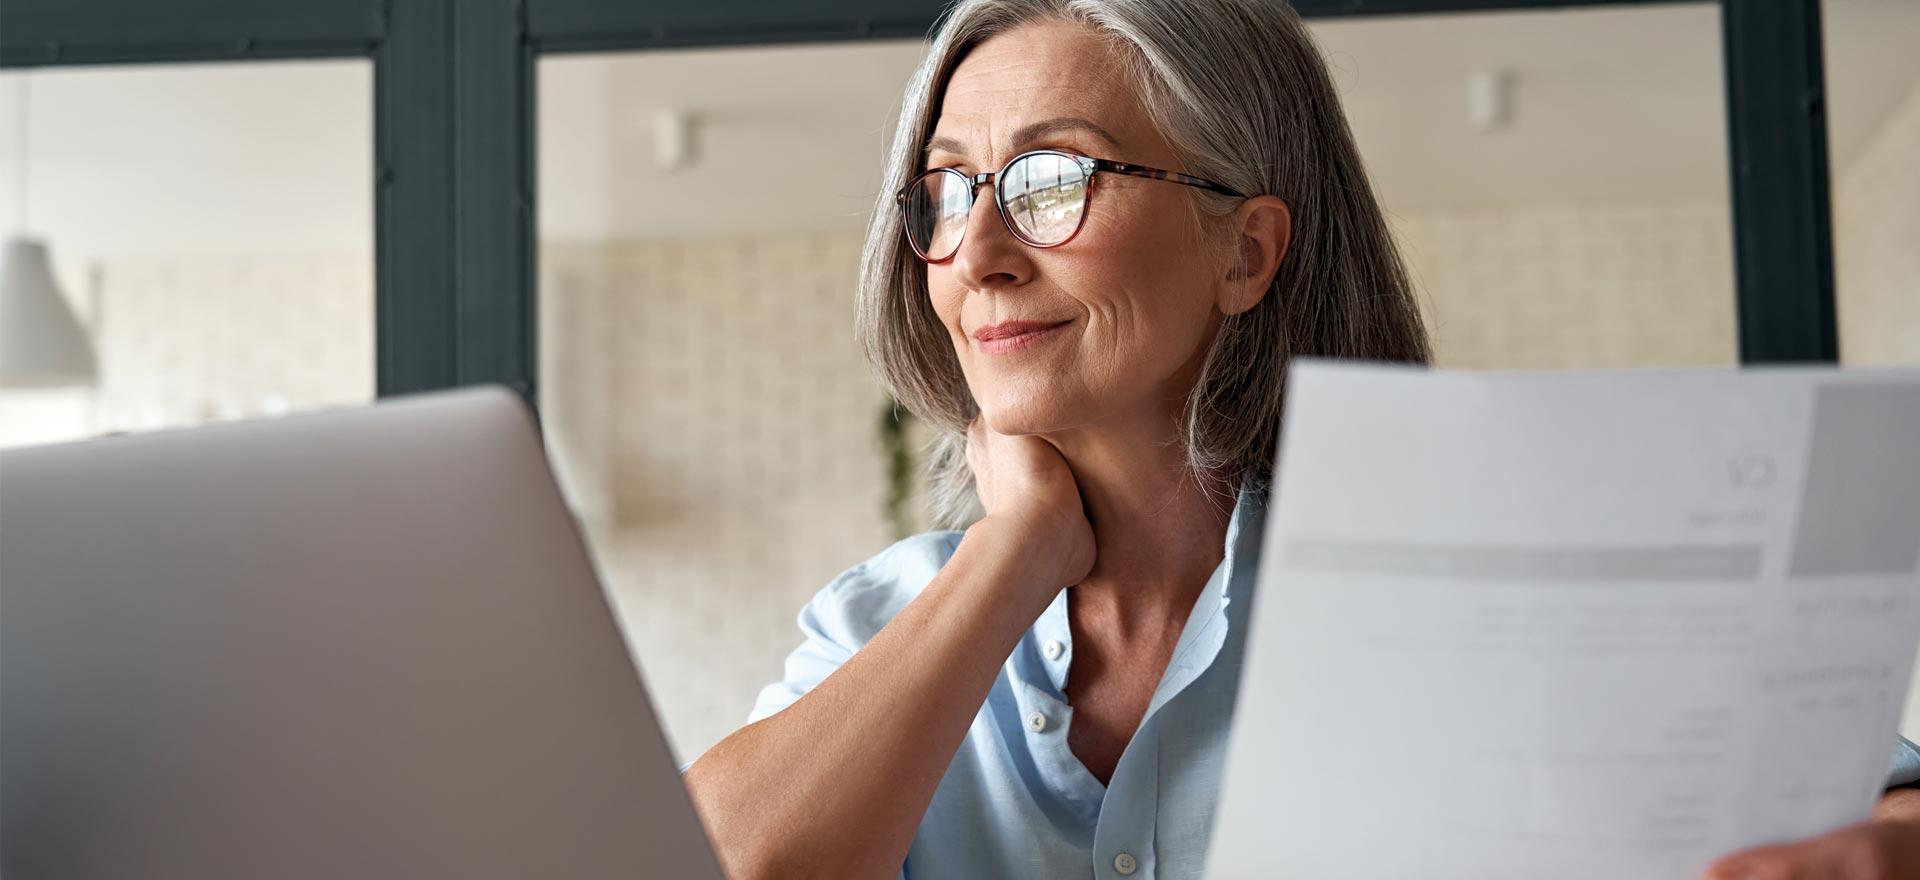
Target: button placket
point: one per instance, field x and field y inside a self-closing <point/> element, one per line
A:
<point x="1124" y="837"/>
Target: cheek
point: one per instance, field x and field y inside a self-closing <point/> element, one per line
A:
<point x="1146" y="291"/>
<point x="947" y="298"/>
<point x="943" y="294"/>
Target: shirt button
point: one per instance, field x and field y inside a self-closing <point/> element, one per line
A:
<point x="1125" y="864"/>
<point x="1053" y="649"/>
<point x="1037" y="722"/>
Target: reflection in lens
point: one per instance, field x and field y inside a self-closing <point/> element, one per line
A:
<point x="936" y="215"/>
<point x="1044" y="195"/>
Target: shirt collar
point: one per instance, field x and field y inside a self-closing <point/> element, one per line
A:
<point x="1243" y="539"/>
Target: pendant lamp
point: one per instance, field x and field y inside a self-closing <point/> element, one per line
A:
<point x="42" y="344"/>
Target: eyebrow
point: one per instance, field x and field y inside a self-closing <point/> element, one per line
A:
<point x="1028" y="134"/>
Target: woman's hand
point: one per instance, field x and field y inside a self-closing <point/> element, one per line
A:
<point x="836" y="784"/>
<point x="1882" y="848"/>
<point x="1025" y="482"/>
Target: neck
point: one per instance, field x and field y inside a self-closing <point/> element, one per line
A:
<point x="1158" y="533"/>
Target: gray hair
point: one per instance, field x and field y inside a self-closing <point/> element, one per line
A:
<point x="1241" y="92"/>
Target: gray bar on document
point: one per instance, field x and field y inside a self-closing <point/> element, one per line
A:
<point x="1860" y="510"/>
<point x="1679" y="562"/>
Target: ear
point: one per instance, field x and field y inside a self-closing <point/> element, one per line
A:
<point x="1264" y="227"/>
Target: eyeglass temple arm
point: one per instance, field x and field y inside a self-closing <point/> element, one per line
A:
<point x="1157" y="174"/>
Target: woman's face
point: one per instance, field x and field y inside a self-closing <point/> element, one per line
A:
<point x="1132" y="300"/>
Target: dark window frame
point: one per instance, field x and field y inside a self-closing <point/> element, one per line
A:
<point x="456" y="291"/>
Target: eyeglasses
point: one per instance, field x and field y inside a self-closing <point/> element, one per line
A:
<point x="1042" y="196"/>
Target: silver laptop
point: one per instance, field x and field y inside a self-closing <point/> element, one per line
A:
<point x="365" y="643"/>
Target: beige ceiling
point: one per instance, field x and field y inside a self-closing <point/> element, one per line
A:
<point x="1607" y="103"/>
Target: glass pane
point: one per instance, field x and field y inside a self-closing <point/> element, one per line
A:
<point x="1557" y="180"/>
<point x="1873" y="120"/>
<point x="210" y="228"/>
<point x="707" y="407"/>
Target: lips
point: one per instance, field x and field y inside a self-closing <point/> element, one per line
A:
<point x="1007" y="329"/>
<point x="1011" y="335"/>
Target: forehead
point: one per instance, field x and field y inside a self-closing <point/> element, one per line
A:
<point x="1034" y="73"/>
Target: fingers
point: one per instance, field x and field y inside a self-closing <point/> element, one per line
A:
<point x="1880" y="850"/>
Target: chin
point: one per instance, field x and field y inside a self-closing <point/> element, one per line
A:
<point x="1020" y="414"/>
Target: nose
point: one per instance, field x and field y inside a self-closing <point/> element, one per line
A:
<point x="989" y="257"/>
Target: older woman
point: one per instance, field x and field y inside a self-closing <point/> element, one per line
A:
<point x="1108" y="225"/>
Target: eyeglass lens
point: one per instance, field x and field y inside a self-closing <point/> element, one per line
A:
<point x="1042" y="196"/>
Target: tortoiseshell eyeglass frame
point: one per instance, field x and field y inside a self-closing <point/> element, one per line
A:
<point x="1089" y="166"/>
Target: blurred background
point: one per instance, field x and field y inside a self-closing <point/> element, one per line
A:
<point x="1558" y="179"/>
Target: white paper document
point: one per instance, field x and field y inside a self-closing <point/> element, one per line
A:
<point x="1575" y="625"/>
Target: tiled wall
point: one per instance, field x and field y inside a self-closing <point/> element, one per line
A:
<point x="707" y="402"/>
<point x="186" y="339"/>
<point x="1877" y="244"/>
<point x="1594" y="286"/>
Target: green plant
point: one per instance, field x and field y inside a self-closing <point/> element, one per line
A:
<point x="899" y="463"/>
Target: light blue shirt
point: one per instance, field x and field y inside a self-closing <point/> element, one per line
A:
<point x="1016" y="802"/>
